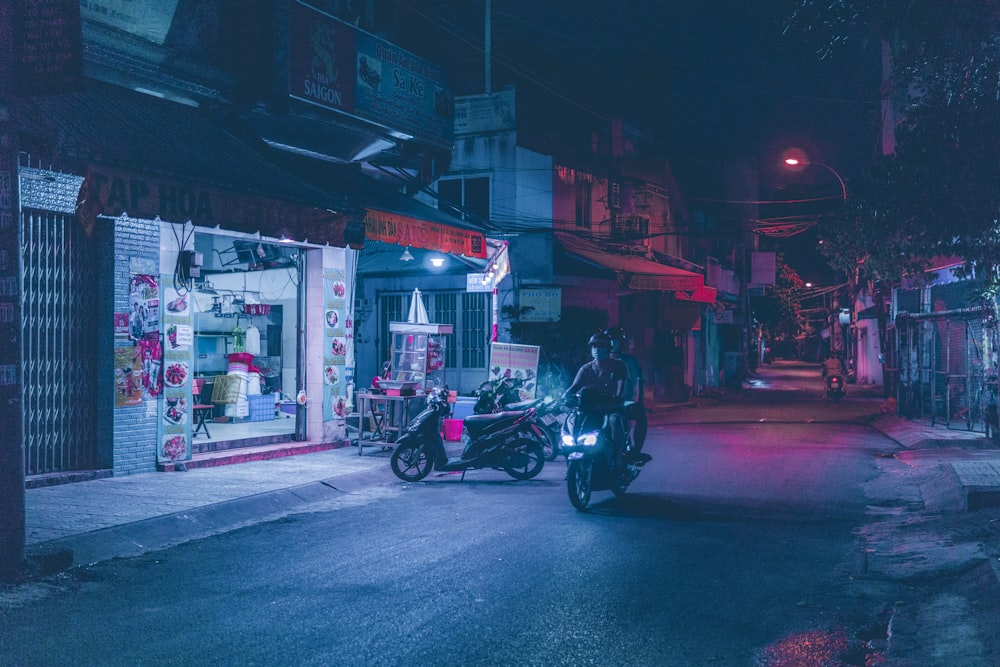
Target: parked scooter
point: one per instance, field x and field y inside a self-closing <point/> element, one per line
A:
<point x="510" y="441"/>
<point x="496" y="395"/>
<point x="549" y="414"/>
<point x="504" y="394"/>
<point x="835" y="387"/>
<point x="595" y="462"/>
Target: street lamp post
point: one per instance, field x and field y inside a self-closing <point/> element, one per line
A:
<point x="793" y="159"/>
<point x="794" y="162"/>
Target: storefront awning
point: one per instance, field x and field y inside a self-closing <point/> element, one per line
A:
<point x="703" y="294"/>
<point x="150" y="157"/>
<point x="635" y="272"/>
<point x="389" y="215"/>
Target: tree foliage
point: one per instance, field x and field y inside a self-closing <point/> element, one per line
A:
<point x="778" y="309"/>
<point x="939" y="194"/>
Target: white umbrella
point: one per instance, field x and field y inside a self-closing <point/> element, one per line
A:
<point x="418" y="314"/>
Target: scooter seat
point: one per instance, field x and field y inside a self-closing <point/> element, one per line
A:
<point x="479" y="424"/>
<point x="490" y="417"/>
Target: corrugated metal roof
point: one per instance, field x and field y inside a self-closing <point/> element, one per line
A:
<point x="110" y="125"/>
<point x="633" y="272"/>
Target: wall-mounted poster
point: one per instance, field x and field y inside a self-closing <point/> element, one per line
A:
<point x="144" y="307"/>
<point x="121" y="326"/>
<point x="128" y="377"/>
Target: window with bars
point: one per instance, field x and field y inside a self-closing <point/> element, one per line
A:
<point x="467" y="347"/>
<point x="632" y="226"/>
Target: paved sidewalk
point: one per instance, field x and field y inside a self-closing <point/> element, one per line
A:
<point x="975" y="460"/>
<point x="126" y="516"/>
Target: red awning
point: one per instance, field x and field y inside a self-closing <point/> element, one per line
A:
<point x="408" y="231"/>
<point x="702" y="294"/>
<point x="634" y="272"/>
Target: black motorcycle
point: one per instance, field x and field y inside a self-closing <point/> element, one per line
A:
<point x="496" y="395"/>
<point x="549" y="414"/>
<point x="596" y="462"/>
<point x="510" y="441"/>
<point x="835" y="388"/>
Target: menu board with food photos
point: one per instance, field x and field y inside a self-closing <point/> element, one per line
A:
<point x="175" y="414"/>
<point x="336" y="332"/>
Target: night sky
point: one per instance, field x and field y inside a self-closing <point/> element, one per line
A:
<point x="714" y="79"/>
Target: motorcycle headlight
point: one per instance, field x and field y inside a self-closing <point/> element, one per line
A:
<point x="587" y="439"/>
<point x="567" y="440"/>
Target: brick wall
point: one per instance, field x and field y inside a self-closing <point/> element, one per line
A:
<point x="134" y="440"/>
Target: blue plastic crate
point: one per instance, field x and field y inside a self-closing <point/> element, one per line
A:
<point x="261" y="407"/>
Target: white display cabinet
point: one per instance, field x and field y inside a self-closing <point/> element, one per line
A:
<point x="418" y="354"/>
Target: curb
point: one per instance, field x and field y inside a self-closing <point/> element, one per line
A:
<point x="162" y="532"/>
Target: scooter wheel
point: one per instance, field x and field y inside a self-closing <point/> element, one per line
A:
<point x="578" y="483"/>
<point x="410" y="462"/>
<point x="532" y="457"/>
<point x="551" y="445"/>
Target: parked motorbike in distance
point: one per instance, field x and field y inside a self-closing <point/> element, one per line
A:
<point x="496" y="395"/>
<point x="835" y="387"/>
<point x="510" y="441"/>
<point x="587" y="442"/>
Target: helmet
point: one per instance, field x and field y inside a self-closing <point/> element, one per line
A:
<point x="600" y="340"/>
<point x="615" y="333"/>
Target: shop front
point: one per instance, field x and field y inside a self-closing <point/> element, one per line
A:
<point x="183" y="296"/>
<point x="661" y="307"/>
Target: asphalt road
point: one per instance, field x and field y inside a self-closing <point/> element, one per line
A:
<point x="738" y="545"/>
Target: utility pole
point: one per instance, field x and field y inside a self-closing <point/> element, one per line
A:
<point x="12" y="500"/>
<point x="488" y="51"/>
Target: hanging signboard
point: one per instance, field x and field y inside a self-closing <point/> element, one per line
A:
<point x="477" y="282"/>
<point x="516" y="361"/>
<point x="405" y="231"/>
<point x="545" y="304"/>
<point x="334" y="65"/>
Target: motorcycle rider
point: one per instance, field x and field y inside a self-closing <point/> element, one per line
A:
<point x="832" y="366"/>
<point x="635" y="388"/>
<point x="608" y="375"/>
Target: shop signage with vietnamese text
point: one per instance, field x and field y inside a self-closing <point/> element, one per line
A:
<point x="516" y="361"/>
<point x="112" y="192"/>
<point x="334" y="65"/>
<point x="405" y="231"/>
<point x="540" y="305"/>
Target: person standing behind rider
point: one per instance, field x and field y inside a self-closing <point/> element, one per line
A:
<point x="606" y="374"/>
<point x="635" y="389"/>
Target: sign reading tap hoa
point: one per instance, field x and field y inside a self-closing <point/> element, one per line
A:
<point x="110" y="191"/>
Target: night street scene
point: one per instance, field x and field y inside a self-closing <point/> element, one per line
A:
<point x="495" y="332"/>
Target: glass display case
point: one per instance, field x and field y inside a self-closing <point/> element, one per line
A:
<point x="418" y="354"/>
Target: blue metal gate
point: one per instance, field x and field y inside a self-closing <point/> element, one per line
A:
<point x="59" y="327"/>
